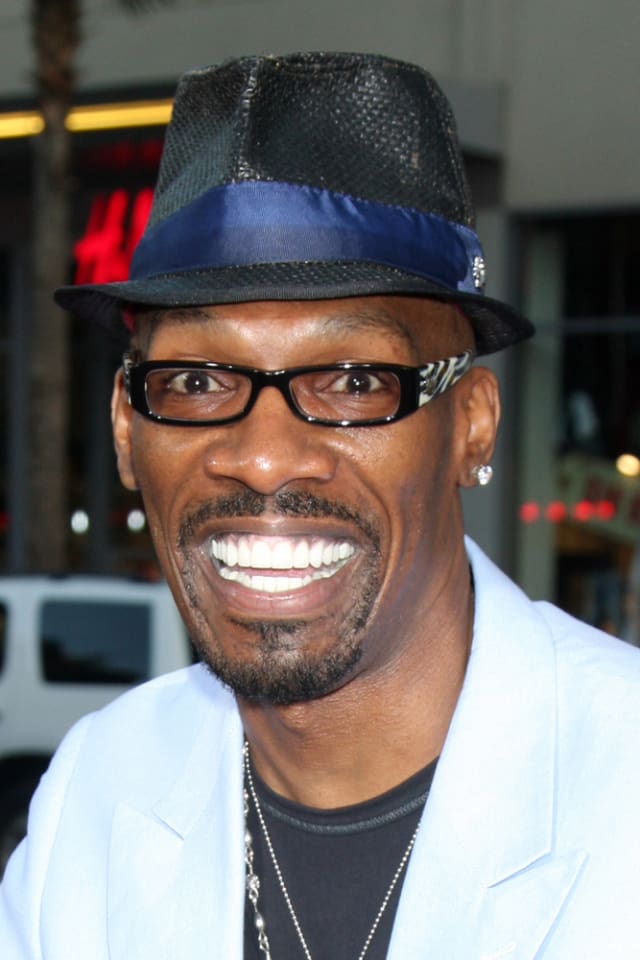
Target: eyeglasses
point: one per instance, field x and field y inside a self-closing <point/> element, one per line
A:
<point x="200" y="394"/>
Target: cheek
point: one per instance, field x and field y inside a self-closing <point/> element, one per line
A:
<point x="410" y="458"/>
<point x="417" y="486"/>
<point x="163" y="456"/>
<point x="163" y="463"/>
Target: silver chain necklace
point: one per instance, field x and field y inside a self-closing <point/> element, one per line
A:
<point x="253" y="881"/>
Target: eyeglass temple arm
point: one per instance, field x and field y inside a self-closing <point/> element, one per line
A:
<point x="129" y="359"/>
<point x="440" y="375"/>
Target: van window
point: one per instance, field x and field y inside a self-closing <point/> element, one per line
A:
<point x="94" y="642"/>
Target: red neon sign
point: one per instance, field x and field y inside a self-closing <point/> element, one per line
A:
<point x="115" y="224"/>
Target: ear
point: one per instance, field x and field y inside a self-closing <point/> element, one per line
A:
<point x="121" y="422"/>
<point x="480" y="412"/>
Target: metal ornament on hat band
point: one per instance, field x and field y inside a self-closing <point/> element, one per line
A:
<point x="479" y="273"/>
<point x="253" y="881"/>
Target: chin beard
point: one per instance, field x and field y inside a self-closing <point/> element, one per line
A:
<point x="278" y="675"/>
<point x="283" y="670"/>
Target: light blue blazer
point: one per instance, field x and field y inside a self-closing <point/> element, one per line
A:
<point x="529" y="845"/>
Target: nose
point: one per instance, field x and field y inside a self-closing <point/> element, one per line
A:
<point x="271" y="447"/>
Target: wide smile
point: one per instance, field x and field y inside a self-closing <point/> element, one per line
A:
<point x="277" y="564"/>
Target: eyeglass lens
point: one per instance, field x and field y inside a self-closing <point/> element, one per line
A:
<point x="334" y="395"/>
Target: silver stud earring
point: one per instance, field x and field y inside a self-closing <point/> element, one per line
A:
<point x="482" y="473"/>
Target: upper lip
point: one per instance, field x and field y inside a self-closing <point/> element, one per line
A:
<point x="273" y="526"/>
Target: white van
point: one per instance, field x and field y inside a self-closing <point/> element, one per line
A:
<point x="67" y="646"/>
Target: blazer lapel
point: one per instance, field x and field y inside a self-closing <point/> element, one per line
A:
<point x="484" y="881"/>
<point x="176" y="871"/>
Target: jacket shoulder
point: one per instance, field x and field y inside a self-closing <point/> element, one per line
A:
<point x="601" y="665"/>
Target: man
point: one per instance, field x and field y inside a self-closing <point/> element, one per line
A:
<point x="393" y="752"/>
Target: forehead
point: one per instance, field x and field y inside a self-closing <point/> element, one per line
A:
<point x="419" y="327"/>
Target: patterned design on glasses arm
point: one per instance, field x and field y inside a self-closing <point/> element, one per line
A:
<point x="438" y="376"/>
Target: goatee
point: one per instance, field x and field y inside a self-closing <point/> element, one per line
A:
<point x="283" y="670"/>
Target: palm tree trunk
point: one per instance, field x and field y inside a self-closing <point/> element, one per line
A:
<point x="56" y="34"/>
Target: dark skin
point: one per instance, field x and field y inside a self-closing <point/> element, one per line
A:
<point x="388" y="715"/>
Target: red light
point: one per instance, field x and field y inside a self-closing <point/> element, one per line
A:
<point x="133" y="156"/>
<point x="104" y="251"/>
<point x="529" y="512"/>
<point x="605" y="509"/>
<point x="555" y="511"/>
<point x="584" y="510"/>
<point x="99" y="250"/>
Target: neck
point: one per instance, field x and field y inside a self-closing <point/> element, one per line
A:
<point x="376" y="730"/>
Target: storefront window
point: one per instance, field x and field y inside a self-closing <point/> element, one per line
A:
<point x="590" y="340"/>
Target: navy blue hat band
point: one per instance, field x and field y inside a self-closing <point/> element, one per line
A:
<point x="257" y="221"/>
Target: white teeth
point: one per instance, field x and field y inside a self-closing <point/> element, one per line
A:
<point x="301" y="555"/>
<point x="315" y="554"/>
<point x="264" y="584"/>
<point x="261" y="556"/>
<point x="244" y="552"/>
<point x="236" y="556"/>
<point x="282" y="556"/>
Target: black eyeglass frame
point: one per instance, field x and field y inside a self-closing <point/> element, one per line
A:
<point x="418" y="386"/>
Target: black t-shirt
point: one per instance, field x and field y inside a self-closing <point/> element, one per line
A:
<point x="337" y="866"/>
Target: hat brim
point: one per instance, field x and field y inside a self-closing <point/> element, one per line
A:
<point x="495" y="324"/>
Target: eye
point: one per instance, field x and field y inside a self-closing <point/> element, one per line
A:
<point x="358" y="382"/>
<point x="193" y="382"/>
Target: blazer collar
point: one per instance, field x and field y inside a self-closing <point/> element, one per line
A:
<point x="176" y="870"/>
<point x="484" y="880"/>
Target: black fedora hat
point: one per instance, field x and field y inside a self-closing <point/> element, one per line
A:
<point x="306" y="177"/>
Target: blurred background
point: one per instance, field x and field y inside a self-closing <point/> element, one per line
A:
<point x="546" y="95"/>
<point x="546" y="98"/>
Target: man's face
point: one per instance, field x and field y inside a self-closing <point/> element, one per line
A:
<point x="303" y="556"/>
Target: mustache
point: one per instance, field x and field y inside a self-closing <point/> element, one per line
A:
<point x="248" y="503"/>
